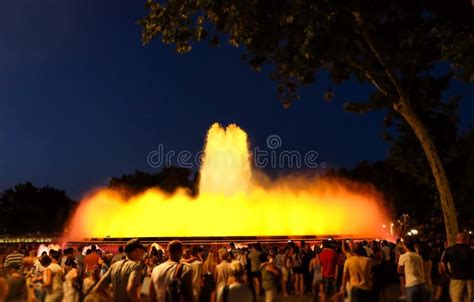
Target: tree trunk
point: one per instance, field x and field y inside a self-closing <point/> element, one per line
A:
<point x="445" y="195"/>
<point x="404" y="108"/>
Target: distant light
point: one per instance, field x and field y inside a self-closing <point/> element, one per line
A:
<point x="384" y="226"/>
<point x="392" y="224"/>
<point x="470" y="232"/>
<point x="409" y="233"/>
<point x="414" y="232"/>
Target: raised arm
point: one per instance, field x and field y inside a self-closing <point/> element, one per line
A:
<point x="273" y="269"/>
<point x="47" y="277"/>
<point x="345" y="278"/>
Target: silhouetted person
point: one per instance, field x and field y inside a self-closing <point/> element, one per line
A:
<point x="460" y="258"/>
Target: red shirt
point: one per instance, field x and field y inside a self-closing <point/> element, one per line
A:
<point x="90" y="261"/>
<point x="328" y="258"/>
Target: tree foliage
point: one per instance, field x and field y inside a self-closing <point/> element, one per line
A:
<point x="407" y="155"/>
<point x="406" y="180"/>
<point x="300" y="37"/>
<point x="461" y="172"/>
<point x="169" y="179"/>
<point x="402" y="193"/>
<point x="29" y="209"/>
<point x="26" y="209"/>
<point x="397" y="46"/>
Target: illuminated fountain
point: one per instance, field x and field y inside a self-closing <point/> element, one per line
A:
<point x="233" y="201"/>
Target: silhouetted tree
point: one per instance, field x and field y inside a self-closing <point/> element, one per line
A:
<point x="455" y="149"/>
<point x="461" y="171"/>
<point x="404" y="176"/>
<point x="390" y="44"/>
<point x="401" y="191"/>
<point x="168" y="180"/>
<point x="28" y="209"/>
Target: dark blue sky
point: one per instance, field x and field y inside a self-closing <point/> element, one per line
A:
<point x="82" y="100"/>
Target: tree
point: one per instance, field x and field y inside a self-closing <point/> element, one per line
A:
<point x="402" y="192"/>
<point x="28" y="209"/>
<point x="169" y="179"/>
<point x="391" y="44"/>
<point x="455" y="150"/>
<point x="461" y="172"/>
<point x="407" y="155"/>
<point x="404" y="175"/>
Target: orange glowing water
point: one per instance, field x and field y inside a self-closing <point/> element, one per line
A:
<point x="232" y="202"/>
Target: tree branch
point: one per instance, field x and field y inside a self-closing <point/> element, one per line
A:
<point x="366" y="72"/>
<point x="368" y="39"/>
<point x="374" y="82"/>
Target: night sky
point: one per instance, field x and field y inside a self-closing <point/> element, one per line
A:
<point x="82" y="100"/>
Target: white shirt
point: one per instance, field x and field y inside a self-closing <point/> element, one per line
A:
<point x="196" y="267"/>
<point x="37" y="268"/>
<point x="70" y="293"/>
<point x="238" y="292"/>
<point x="413" y="266"/>
<point x="57" y="277"/>
<point x="162" y="275"/>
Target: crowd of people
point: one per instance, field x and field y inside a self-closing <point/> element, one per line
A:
<point x="327" y="270"/>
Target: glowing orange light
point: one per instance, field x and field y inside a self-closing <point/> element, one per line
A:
<point x="233" y="201"/>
